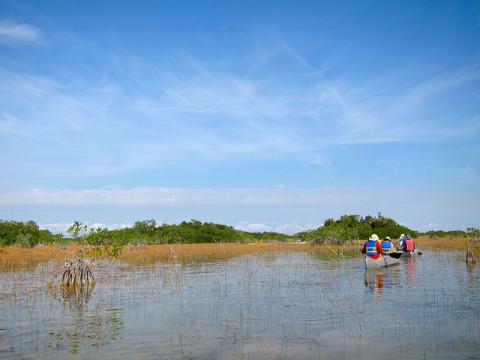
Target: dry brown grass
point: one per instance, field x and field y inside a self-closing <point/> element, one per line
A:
<point x="450" y="243"/>
<point x="201" y="252"/>
<point x="442" y="243"/>
<point x="12" y="257"/>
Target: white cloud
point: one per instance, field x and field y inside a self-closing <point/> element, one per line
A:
<point x="62" y="226"/>
<point x="13" y="32"/>
<point x="253" y="227"/>
<point x="286" y="210"/>
<point x="237" y="196"/>
<point x="290" y="228"/>
<point x="294" y="228"/>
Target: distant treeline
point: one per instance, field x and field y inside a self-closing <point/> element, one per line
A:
<point x="348" y="227"/>
<point x="25" y="234"/>
<point x="28" y="234"/>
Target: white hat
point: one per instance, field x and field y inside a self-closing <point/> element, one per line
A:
<point x="373" y="237"/>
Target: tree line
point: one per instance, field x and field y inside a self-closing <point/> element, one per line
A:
<point x="348" y="227"/>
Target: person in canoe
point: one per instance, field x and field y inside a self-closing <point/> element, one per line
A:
<point x="373" y="247"/>
<point x="387" y="246"/>
<point x="408" y="244"/>
<point x="401" y="240"/>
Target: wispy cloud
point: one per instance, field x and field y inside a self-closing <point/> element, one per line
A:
<point x="12" y="32"/>
<point x="196" y="112"/>
<point x="287" y="228"/>
<point x="206" y="196"/>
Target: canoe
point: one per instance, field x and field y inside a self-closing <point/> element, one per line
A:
<point x="410" y="253"/>
<point x="380" y="262"/>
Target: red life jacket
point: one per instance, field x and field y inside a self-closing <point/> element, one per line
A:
<point x="410" y="245"/>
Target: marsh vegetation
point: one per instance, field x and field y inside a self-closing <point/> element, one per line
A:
<point x="288" y="302"/>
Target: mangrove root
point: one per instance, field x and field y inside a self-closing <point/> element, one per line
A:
<point x="470" y="258"/>
<point x="74" y="272"/>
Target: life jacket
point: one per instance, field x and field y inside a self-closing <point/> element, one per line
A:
<point x="371" y="247"/>
<point x="410" y="245"/>
<point x="386" y="247"/>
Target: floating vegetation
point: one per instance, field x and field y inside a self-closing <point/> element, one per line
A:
<point x="74" y="272"/>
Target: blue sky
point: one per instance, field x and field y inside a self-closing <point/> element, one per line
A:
<point x="263" y="115"/>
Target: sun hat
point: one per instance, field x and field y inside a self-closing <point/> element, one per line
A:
<point x="387" y="238"/>
<point x="373" y="237"/>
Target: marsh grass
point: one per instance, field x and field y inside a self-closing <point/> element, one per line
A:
<point x="12" y="257"/>
<point x="187" y="253"/>
<point x="468" y="244"/>
<point x="442" y="243"/>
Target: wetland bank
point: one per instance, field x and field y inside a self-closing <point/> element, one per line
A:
<point x="250" y="300"/>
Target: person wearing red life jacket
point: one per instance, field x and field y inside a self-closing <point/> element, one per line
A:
<point x="409" y="244"/>
<point x="373" y="247"/>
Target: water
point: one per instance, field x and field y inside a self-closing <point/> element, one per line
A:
<point x="283" y="306"/>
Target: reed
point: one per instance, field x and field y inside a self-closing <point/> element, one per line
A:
<point x="202" y="252"/>
<point x="12" y="257"/>
<point x="442" y="243"/>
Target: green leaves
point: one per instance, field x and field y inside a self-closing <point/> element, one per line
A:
<point x="354" y="227"/>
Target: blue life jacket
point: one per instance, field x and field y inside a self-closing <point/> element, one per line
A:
<point x="386" y="245"/>
<point x="371" y="247"/>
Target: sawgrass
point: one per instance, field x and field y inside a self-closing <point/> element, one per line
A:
<point x="442" y="243"/>
<point x="12" y="257"/>
<point x="201" y="252"/>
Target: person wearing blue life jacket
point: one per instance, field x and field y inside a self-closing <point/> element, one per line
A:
<point x="373" y="247"/>
<point x="387" y="246"/>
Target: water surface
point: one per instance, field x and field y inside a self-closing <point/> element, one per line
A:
<point x="270" y="306"/>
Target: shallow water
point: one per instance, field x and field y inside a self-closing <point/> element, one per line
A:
<point x="282" y="306"/>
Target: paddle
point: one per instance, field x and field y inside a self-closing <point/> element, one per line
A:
<point x="395" y="255"/>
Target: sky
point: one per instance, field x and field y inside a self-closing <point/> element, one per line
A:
<point x="264" y="115"/>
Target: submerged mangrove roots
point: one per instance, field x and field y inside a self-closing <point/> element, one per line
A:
<point x="470" y="258"/>
<point x="74" y="272"/>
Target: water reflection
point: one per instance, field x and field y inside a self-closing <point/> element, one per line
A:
<point x="73" y="297"/>
<point x="374" y="281"/>
<point x="378" y="280"/>
<point x="410" y="270"/>
<point x="80" y="324"/>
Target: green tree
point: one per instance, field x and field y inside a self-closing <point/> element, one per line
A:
<point x="77" y="230"/>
